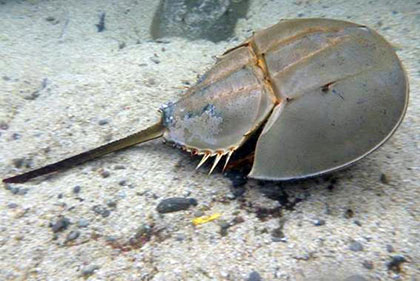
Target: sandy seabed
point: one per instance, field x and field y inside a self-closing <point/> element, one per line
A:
<point x="65" y="88"/>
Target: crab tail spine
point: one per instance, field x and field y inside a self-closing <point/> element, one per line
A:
<point x="218" y="157"/>
<point x="205" y="157"/>
<point x="153" y="132"/>
<point x="227" y="159"/>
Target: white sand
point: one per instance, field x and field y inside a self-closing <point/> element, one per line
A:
<point x="89" y="79"/>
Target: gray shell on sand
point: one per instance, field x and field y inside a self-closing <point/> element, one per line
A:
<point x="326" y="92"/>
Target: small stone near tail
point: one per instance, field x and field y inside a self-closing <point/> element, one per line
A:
<point x="175" y="204"/>
<point x="254" y="276"/>
<point x="89" y="270"/>
<point x="60" y="225"/>
<point x="356" y="246"/>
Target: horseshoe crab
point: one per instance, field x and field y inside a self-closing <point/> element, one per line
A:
<point x="322" y="93"/>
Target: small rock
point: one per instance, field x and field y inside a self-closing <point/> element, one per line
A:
<point x="348" y="214"/>
<point x="180" y="237"/>
<point x="396" y="262"/>
<point x="121" y="45"/>
<point x="385" y="179"/>
<point x="89" y="270"/>
<point x="155" y="60"/>
<point x="175" y="204"/>
<point x="102" y="122"/>
<point x="277" y="235"/>
<point x="356" y="277"/>
<point x="319" y="222"/>
<point x="358" y="223"/>
<point x="105" y="174"/>
<point x="254" y="276"/>
<point x="367" y="264"/>
<point x="213" y="20"/>
<point x="238" y="220"/>
<point x="18" y="162"/>
<point x="106" y="213"/>
<point x="12" y="205"/>
<point x="356" y="246"/>
<point x="141" y="236"/>
<point x="4" y="125"/>
<point x="224" y="225"/>
<point x="50" y="18"/>
<point x="16" y="136"/>
<point x="61" y="224"/>
<point x="100" y="210"/>
<point x="390" y="248"/>
<point x="82" y="223"/>
<point x="18" y="190"/>
<point x="122" y="182"/>
<point x="111" y="203"/>
<point x="76" y="189"/>
<point x="101" y="25"/>
<point x="198" y="213"/>
<point x="73" y="235"/>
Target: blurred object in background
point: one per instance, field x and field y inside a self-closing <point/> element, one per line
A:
<point x="212" y="20"/>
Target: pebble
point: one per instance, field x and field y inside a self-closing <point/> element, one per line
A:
<point x="3" y="125"/>
<point x="18" y="162"/>
<point x="16" y="136"/>
<point x="122" y="182"/>
<point x="82" y="223"/>
<point x="254" y="276"/>
<point x="198" y="213"/>
<point x="76" y="189"/>
<point x="106" y="213"/>
<point x="224" y="225"/>
<point x="385" y="178"/>
<point x="396" y="262"/>
<point x="180" y="237"/>
<point x="367" y="264"/>
<point x="358" y="223"/>
<point x="89" y="270"/>
<point x="390" y="248"/>
<point x="155" y="60"/>
<point x="73" y="235"/>
<point x="175" y="204"/>
<point x="100" y="210"/>
<point x="12" y="205"/>
<point x="356" y="277"/>
<point x="60" y="225"/>
<point x="105" y="174"/>
<point x="277" y="235"/>
<point x="103" y="122"/>
<point x="18" y="190"/>
<point x="356" y="246"/>
<point x="111" y="203"/>
<point x="348" y="214"/>
<point x="319" y="222"/>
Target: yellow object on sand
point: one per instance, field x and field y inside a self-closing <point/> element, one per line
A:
<point x="205" y="219"/>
